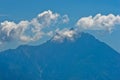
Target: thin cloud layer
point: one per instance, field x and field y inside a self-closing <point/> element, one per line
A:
<point x="28" y="31"/>
<point x="98" y="22"/>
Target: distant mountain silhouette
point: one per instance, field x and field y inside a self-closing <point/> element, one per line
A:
<point x="85" y="58"/>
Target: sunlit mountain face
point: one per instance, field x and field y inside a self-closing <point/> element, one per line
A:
<point x="84" y="58"/>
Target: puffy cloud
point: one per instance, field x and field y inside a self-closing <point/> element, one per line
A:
<point x="26" y="31"/>
<point x="99" y="22"/>
<point x="64" y="34"/>
<point x="47" y="17"/>
<point x="46" y="25"/>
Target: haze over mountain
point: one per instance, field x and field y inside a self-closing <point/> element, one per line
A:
<point x="84" y="58"/>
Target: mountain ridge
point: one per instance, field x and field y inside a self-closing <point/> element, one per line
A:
<point x="77" y="36"/>
<point x="86" y="58"/>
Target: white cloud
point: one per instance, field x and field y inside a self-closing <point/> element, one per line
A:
<point x="28" y="31"/>
<point x="47" y="18"/>
<point x="64" y="33"/>
<point x="46" y="25"/>
<point x="7" y="27"/>
<point x="99" y="22"/>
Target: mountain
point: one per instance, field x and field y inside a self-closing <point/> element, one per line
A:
<point x="85" y="58"/>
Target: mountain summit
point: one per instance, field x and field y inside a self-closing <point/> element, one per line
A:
<point x="84" y="58"/>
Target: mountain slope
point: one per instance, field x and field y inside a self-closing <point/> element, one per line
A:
<point x="86" y="58"/>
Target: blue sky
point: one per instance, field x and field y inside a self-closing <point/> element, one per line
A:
<point x="17" y="10"/>
<point x="27" y="9"/>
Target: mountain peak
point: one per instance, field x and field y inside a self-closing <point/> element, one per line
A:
<point x="86" y="58"/>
